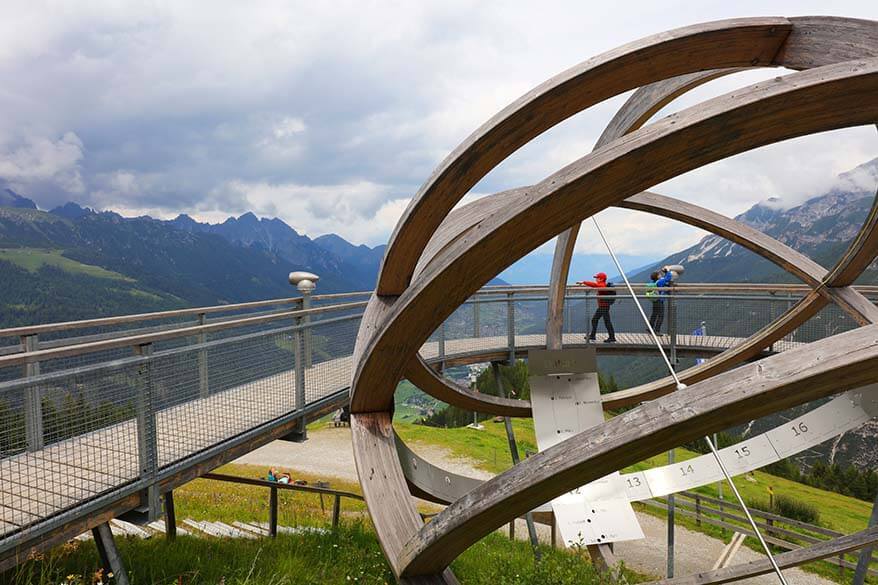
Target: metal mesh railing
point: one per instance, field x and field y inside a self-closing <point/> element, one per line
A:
<point x="83" y="424"/>
<point x="91" y="416"/>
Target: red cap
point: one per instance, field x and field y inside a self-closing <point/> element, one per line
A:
<point x="601" y="276"/>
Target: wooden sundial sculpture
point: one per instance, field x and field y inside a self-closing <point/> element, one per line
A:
<point x="437" y="258"/>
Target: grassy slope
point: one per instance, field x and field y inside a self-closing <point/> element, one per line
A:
<point x="352" y="555"/>
<point x="32" y="259"/>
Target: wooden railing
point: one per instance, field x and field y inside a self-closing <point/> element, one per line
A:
<point x="273" y="486"/>
<point x="780" y="531"/>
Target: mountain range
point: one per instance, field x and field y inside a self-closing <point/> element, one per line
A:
<point x="821" y="228"/>
<point x="73" y="262"/>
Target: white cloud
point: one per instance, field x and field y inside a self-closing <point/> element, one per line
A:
<point x="359" y="211"/>
<point x="331" y="115"/>
<point x="41" y="161"/>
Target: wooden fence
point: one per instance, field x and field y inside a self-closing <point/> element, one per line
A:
<point x="780" y="531"/>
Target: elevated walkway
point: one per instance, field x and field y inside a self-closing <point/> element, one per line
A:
<point x="101" y="422"/>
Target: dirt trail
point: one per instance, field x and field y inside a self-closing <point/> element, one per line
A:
<point x="329" y="451"/>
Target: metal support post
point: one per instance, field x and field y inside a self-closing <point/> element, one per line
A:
<point x="203" y="387"/>
<point x="672" y="332"/>
<point x="33" y="400"/>
<point x="272" y="512"/>
<point x="300" y="434"/>
<point x="110" y="557"/>
<point x="510" y="326"/>
<point x="306" y="321"/>
<point x="170" y="517"/>
<point x="336" y="511"/>
<point x="513" y="449"/>
<point x="477" y="326"/>
<point x="866" y="553"/>
<point x="442" y="344"/>
<point x="147" y="445"/>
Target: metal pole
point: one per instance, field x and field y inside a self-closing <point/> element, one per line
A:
<point x="336" y="511"/>
<point x="203" y="386"/>
<point x="170" y="517"/>
<point x="299" y="349"/>
<point x="510" y="326"/>
<point x="681" y="386"/>
<point x="442" y="344"/>
<point x="306" y="321"/>
<point x="672" y="332"/>
<point x="33" y="400"/>
<point x="272" y="512"/>
<point x="477" y="326"/>
<point x="866" y="553"/>
<point x="110" y="557"/>
<point x="513" y="449"/>
<point x="146" y="433"/>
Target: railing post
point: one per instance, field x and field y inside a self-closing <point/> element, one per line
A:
<point x="336" y="511"/>
<point x="510" y="326"/>
<point x="203" y="387"/>
<point x="299" y="350"/>
<point x="477" y="326"/>
<point x="147" y="446"/>
<point x="170" y="517"/>
<point x="306" y="321"/>
<point x="866" y="553"/>
<point x="272" y="512"/>
<point x="771" y="315"/>
<point x="33" y="400"/>
<point x="672" y="332"/>
<point x="442" y="344"/>
<point x="513" y="450"/>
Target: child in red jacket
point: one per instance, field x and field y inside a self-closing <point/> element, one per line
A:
<point x="603" y="310"/>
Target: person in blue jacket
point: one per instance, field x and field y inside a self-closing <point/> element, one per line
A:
<point x="659" y="280"/>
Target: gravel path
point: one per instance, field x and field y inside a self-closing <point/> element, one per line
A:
<point x="329" y="451"/>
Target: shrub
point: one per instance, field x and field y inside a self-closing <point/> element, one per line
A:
<point x="788" y="508"/>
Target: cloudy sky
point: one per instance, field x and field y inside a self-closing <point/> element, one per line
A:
<point x="330" y="115"/>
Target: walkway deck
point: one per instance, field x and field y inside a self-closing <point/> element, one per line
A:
<point x="63" y="477"/>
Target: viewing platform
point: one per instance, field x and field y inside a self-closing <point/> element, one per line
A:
<point x="101" y="417"/>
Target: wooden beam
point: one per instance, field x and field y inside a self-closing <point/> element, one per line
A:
<point x="782" y="381"/>
<point x="787" y="560"/>
<point x="794" y="105"/>
<point x="110" y="557"/>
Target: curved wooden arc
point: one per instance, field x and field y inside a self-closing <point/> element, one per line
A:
<point x="854" y="303"/>
<point x="714" y="45"/>
<point x="432" y="483"/>
<point x="782" y="381"/>
<point x="436" y="385"/>
<point x="403" y="313"/>
<point x="633" y="114"/>
<point x="724" y="44"/>
<point x="801" y="103"/>
<point x="809" y="45"/>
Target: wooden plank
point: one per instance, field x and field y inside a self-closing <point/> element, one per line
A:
<point x="775" y="383"/>
<point x="787" y="560"/>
